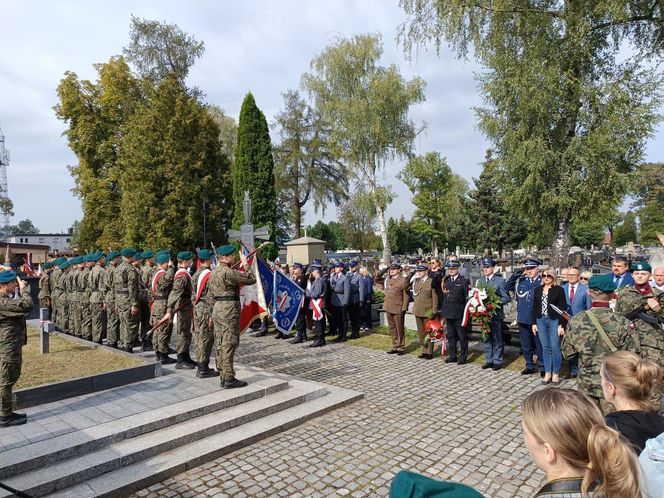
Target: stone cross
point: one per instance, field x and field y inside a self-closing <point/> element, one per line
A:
<point x="246" y="234"/>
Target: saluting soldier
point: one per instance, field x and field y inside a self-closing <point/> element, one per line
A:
<point x="13" y="336"/>
<point x="160" y="287"/>
<point x="180" y="309"/>
<point x="45" y="288"/>
<point x="125" y="283"/>
<point x="425" y="303"/>
<point x="112" y="318"/>
<point x="594" y="334"/>
<point x="203" y="328"/>
<point x="395" y="306"/>
<point x="225" y="290"/>
<point x="97" y="290"/>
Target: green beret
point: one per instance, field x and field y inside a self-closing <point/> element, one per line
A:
<point x="162" y="258"/>
<point x="7" y="276"/>
<point x="205" y="254"/>
<point x="64" y="265"/>
<point x="163" y="251"/>
<point x="148" y="254"/>
<point x="641" y="266"/>
<point x="603" y="283"/>
<point x="226" y="250"/>
<point x="112" y="255"/>
<point x="59" y="261"/>
<point x="46" y="266"/>
<point x="75" y="261"/>
<point x="128" y="252"/>
<point x="138" y="256"/>
<point x="185" y="255"/>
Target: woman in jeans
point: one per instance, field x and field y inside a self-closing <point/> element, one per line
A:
<point x="549" y="325"/>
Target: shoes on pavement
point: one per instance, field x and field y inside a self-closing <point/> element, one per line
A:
<point x="450" y="360"/>
<point x="527" y="371"/>
<point x="486" y="365"/>
<point x="498" y="367"/>
<point x="392" y="351"/>
<point x="234" y="383"/>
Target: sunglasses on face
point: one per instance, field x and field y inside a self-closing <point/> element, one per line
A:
<point x="583" y="278"/>
<point x="547" y="276"/>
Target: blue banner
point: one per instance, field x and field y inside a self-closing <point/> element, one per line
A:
<point x="266" y="279"/>
<point x="288" y="297"/>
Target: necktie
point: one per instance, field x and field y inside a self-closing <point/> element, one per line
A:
<point x="571" y="293"/>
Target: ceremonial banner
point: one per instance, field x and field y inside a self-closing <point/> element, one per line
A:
<point x="288" y="297"/>
<point x="266" y="279"/>
<point x="252" y="299"/>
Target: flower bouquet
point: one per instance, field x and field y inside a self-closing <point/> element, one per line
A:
<point x="483" y="304"/>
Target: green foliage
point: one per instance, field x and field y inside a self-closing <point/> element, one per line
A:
<point x="331" y="233"/>
<point x="587" y="233"/>
<point x="568" y="111"/>
<point x="227" y="131"/>
<point x="437" y="191"/>
<point x="378" y="297"/>
<point x="648" y="185"/>
<point x="404" y="237"/>
<point x="366" y="107"/>
<point x="626" y="231"/>
<point x="253" y="170"/>
<point x="306" y="168"/>
<point x="23" y="227"/>
<point x="357" y="217"/>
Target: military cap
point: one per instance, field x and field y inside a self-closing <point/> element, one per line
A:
<point x="59" y="261"/>
<point x="112" y="255"/>
<point x="487" y="263"/>
<point x="226" y="250"/>
<point x="75" y="261"/>
<point x="64" y="265"/>
<point x="297" y="265"/>
<point x="456" y="264"/>
<point x="128" y="252"/>
<point x="95" y="256"/>
<point x="339" y="264"/>
<point x="148" y="254"/>
<point x="314" y="267"/>
<point x="46" y="266"/>
<point x="185" y="255"/>
<point x="531" y="263"/>
<point x="162" y="258"/>
<point x="7" y="276"/>
<point x="316" y="262"/>
<point x="138" y="256"/>
<point x="395" y="266"/>
<point x="421" y="268"/>
<point x="640" y="266"/>
<point x="603" y="283"/>
<point x="205" y="254"/>
<point x="353" y="264"/>
<point x="162" y="251"/>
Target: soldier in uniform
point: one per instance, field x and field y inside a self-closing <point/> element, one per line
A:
<point x="493" y="346"/>
<point x="523" y="284"/>
<point x="73" y="297"/>
<point x="180" y="309"/>
<point x="455" y="292"/>
<point x="316" y="292"/>
<point x="594" y="334"/>
<point x="204" y="331"/>
<point x="13" y="336"/>
<point x="225" y="290"/>
<point x="160" y="287"/>
<point x="425" y="297"/>
<point x="125" y="287"/>
<point x="56" y="292"/>
<point x="145" y="277"/>
<point x="395" y="306"/>
<point x="112" y="318"/>
<point x="339" y="298"/>
<point x="300" y="279"/>
<point x="644" y="306"/>
<point x="63" y="282"/>
<point x="89" y="262"/>
<point x="97" y="290"/>
<point x="45" y="287"/>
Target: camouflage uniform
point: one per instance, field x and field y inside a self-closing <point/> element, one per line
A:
<point x="13" y="336"/>
<point x="97" y="289"/>
<point x="56" y="296"/>
<point x="72" y="301"/>
<point x="64" y="315"/>
<point x="45" y="291"/>
<point x="179" y="303"/>
<point x="112" y="318"/>
<point x="583" y="338"/>
<point x="204" y="331"/>
<point x="145" y="277"/>
<point x="225" y="290"/>
<point x="125" y="283"/>
<point x="160" y="290"/>
<point x="84" y="303"/>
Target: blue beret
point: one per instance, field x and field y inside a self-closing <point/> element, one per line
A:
<point x="339" y="264"/>
<point x="352" y="264"/>
<point x="205" y="254"/>
<point x="185" y="255"/>
<point x="531" y="263"/>
<point x="148" y="254"/>
<point x="422" y="268"/>
<point x="456" y="264"/>
<point x="128" y="252"/>
<point x="488" y="263"/>
<point x="162" y="258"/>
<point x="7" y="276"/>
<point x="603" y="283"/>
<point x="395" y="266"/>
<point x="226" y="250"/>
<point x="297" y="265"/>
<point x="640" y="266"/>
<point x="112" y="255"/>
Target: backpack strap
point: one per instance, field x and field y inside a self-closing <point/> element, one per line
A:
<point x="601" y="331"/>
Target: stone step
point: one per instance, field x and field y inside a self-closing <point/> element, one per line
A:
<point x="144" y="473"/>
<point x="73" y="444"/>
<point x="124" y="453"/>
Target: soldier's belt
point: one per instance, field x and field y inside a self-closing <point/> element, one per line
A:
<point x="226" y="298"/>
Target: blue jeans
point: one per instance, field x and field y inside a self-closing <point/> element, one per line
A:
<point x="547" y="331"/>
<point x="530" y="344"/>
<point x="493" y="346"/>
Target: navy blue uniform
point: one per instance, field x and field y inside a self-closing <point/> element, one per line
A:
<point x="524" y="293"/>
<point x="494" y="346"/>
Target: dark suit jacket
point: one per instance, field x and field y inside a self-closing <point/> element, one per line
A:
<point x="454" y="301"/>
<point x="556" y="296"/>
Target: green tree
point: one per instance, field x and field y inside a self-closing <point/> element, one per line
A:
<point x="306" y="169"/>
<point x="587" y="233"/>
<point x="436" y="193"/>
<point x="159" y="50"/>
<point x="568" y="111"/>
<point x="23" y="227"/>
<point x="227" y="131"/>
<point x="329" y="232"/>
<point x="357" y="217"/>
<point x="404" y="238"/>
<point x="648" y="186"/>
<point x="366" y="106"/>
<point x="626" y="231"/>
<point x="253" y="169"/>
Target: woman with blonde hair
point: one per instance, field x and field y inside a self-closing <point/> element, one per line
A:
<point x="566" y="436"/>
<point x="627" y="382"/>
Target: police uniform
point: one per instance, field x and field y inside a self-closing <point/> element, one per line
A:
<point x="301" y="321"/>
<point x="339" y="299"/>
<point x="356" y="298"/>
<point x="203" y="329"/>
<point x="493" y="345"/>
<point x="316" y="292"/>
<point x="455" y="293"/>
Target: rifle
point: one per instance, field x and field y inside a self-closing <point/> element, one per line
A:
<point x="562" y="313"/>
<point x="641" y="313"/>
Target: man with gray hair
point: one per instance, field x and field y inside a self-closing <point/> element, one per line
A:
<point x="658" y="278"/>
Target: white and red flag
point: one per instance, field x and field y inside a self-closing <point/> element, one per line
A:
<point x="252" y="298"/>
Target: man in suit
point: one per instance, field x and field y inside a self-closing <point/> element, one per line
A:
<point x="578" y="300"/>
<point x="523" y="284"/>
<point x="621" y="276"/>
<point x="455" y="292"/>
<point x="493" y="346"/>
<point x="340" y="297"/>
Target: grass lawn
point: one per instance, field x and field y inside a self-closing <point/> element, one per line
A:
<point x="67" y="360"/>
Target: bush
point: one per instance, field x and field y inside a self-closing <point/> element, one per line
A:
<point x="378" y="297"/>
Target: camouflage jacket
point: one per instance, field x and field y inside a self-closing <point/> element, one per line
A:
<point x="204" y="301"/>
<point x="82" y="286"/>
<point x="13" y="331"/>
<point x="45" y="286"/>
<point x="54" y="283"/>
<point x="225" y="282"/>
<point x="180" y="295"/>
<point x="650" y="334"/>
<point x="582" y="338"/>
<point x="109" y="292"/>
<point x="71" y="290"/>
<point x="125" y="285"/>
<point x="97" y="284"/>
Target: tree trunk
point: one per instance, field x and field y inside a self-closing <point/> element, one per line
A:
<point x="297" y="219"/>
<point x="387" y="250"/>
<point x="560" y="245"/>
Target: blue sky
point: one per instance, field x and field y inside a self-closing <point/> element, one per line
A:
<point x="258" y="46"/>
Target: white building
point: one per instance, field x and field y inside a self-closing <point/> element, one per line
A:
<point x="60" y="242"/>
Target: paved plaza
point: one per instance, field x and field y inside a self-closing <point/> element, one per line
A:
<point x="447" y="421"/>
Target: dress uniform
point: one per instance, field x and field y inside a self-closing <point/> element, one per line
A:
<point x="395" y="306"/>
<point x="203" y="328"/>
<point x="356" y="299"/>
<point x="316" y="292"/>
<point x="181" y="310"/>
<point x="339" y="299"/>
<point x="493" y="345"/>
<point x="425" y="303"/>
<point x="455" y="294"/>
<point x="301" y="280"/>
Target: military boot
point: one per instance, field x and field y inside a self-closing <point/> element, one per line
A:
<point x="182" y="364"/>
<point x="204" y="371"/>
<point x="146" y="345"/>
<point x="234" y="383"/>
<point x="13" y="419"/>
<point x="188" y="359"/>
<point x="164" y="359"/>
